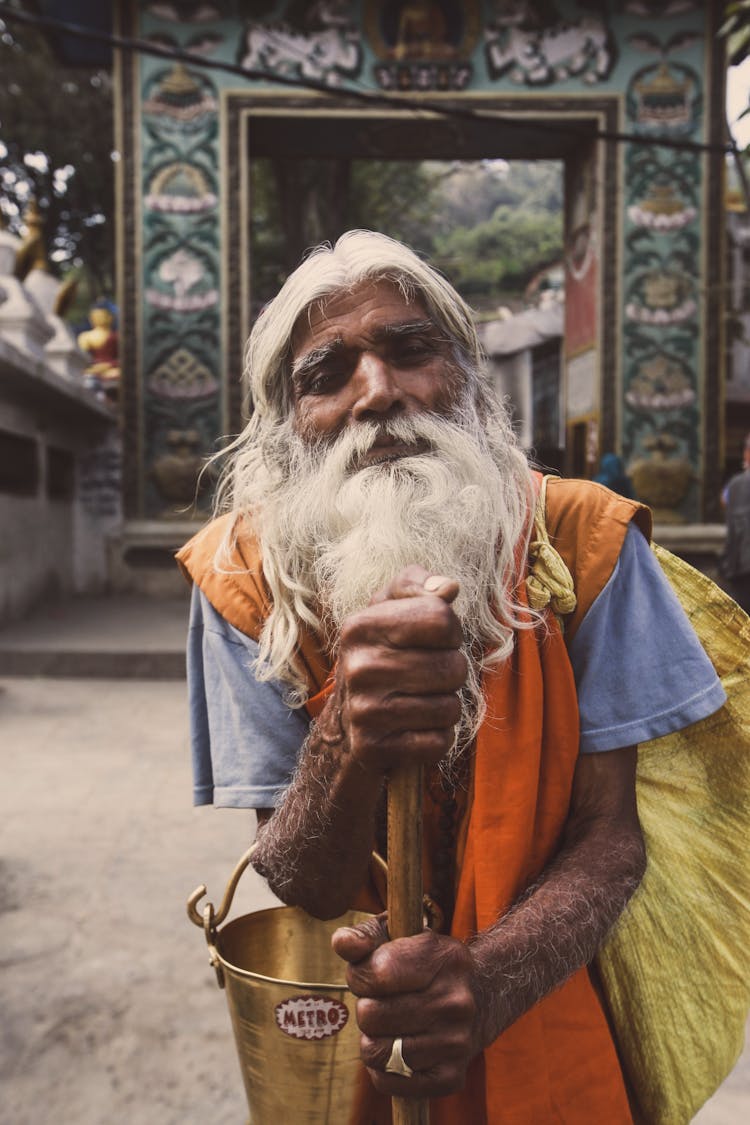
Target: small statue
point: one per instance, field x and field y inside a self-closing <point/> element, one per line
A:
<point x="102" y="345"/>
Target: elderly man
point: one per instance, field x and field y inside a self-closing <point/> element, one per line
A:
<point x="366" y="600"/>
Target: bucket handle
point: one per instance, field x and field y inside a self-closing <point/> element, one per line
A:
<point x="210" y="918"/>
<point x="217" y="917"/>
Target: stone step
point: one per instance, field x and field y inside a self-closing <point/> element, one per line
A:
<point x="124" y="636"/>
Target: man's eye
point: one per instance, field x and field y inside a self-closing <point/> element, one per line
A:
<point x="413" y="351"/>
<point x="322" y="381"/>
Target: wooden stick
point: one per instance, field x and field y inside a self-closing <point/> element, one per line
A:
<point x="405" y="890"/>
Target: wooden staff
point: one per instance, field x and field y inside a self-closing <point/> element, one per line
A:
<point x="405" y="890"/>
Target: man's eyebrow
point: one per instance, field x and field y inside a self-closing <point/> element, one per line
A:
<point x="312" y="359"/>
<point x="405" y="328"/>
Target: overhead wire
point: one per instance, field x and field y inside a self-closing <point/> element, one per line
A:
<point x="353" y="92"/>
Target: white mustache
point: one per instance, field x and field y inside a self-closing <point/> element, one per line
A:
<point x="351" y="451"/>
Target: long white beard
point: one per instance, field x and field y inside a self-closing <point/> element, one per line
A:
<point x="333" y="534"/>
<point x="353" y="530"/>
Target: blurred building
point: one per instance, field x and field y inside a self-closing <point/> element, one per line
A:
<point x="60" y="455"/>
<point x="525" y="363"/>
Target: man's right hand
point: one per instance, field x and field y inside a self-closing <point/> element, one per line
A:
<point x="395" y="701"/>
<point x="398" y="673"/>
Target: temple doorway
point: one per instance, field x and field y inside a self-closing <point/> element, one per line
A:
<point x="311" y="159"/>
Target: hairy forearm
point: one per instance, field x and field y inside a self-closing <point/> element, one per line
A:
<point x="399" y="667"/>
<point x="315" y="848"/>
<point x="557" y="926"/>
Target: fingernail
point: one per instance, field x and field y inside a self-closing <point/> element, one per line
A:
<point x="434" y="582"/>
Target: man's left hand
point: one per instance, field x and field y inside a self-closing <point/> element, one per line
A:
<point x="421" y="989"/>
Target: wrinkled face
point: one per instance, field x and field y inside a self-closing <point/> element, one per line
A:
<point x="369" y="356"/>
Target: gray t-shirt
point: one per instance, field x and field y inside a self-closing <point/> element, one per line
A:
<point x="639" y="669"/>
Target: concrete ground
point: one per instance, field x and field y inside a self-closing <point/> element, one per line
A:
<point x="111" y="1013"/>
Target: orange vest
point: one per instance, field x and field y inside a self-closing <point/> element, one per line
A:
<point x="558" y="1061"/>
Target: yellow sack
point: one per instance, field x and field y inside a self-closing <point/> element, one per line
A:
<point x="676" y="968"/>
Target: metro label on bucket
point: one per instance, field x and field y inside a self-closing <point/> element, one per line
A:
<point x="311" y="1017"/>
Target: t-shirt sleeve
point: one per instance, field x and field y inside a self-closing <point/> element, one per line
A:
<point x="244" y="738"/>
<point x="639" y="668"/>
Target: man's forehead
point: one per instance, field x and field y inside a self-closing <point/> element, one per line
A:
<point x="364" y="309"/>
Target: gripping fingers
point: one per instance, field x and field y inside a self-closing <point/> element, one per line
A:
<point x="400" y="713"/>
<point x="420" y="1052"/>
<point x="414" y="672"/>
<point x="414" y="623"/>
<point x="426" y="746"/>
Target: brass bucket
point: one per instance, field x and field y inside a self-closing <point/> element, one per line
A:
<point x="292" y="1014"/>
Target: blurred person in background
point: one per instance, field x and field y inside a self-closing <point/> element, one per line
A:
<point x="735" y="561"/>
<point x="612" y="475"/>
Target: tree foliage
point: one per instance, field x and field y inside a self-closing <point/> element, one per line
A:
<point x="296" y="204"/>
<point x="500" y="255"/>
<point x="501" y="224"/>
<point x="56" y="144"/>
<point x="736" y="29"/>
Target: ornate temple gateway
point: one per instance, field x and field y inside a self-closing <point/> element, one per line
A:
<point x="628" y="94"/>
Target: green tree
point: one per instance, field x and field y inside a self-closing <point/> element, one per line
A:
<point x="736" y="29"/>
<point x="500" y="255"/>
<point x="471" y="192"/>
<point x="400" y="198"/>
<point x="56" y="144"/>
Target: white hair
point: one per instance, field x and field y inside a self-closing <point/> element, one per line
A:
<point x="266" y="469"/>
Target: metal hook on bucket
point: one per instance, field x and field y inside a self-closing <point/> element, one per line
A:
<point x="226" y="902"/>
<point x="210" y="920"/>
<point x="209" y="927"/>
<point x="433" y="915"/>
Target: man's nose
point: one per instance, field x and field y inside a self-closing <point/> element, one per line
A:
<point x="377" y="387"/>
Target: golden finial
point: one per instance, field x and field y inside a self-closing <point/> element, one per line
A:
<point x="32" y="253"/>
<point x="65" y="295"/>
<point x="33" y="217"/>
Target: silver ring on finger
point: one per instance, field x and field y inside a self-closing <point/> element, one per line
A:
<point x="396" y="1063"/>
